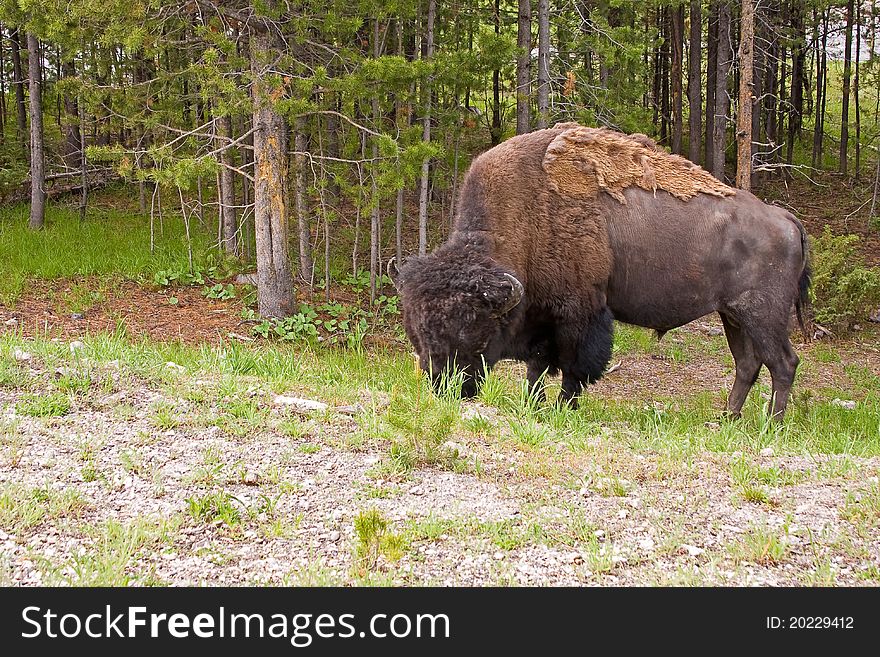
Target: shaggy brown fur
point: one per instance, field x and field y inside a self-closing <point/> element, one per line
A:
<point x="665" y="244"/>
<point x="583" y="161"/>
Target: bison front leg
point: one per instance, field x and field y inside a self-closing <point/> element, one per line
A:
<point x="584" y="353"/>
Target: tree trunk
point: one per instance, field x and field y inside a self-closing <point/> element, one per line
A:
<point x="821" y="78"/>
<point x="543" y="63"/>
<point x="301" y="204"/>
<point x="798" y="58"/>
<point x="426" y="132"/>
<point x="375" y="225"/>
<point x="744" y="118"/>
<point x="856" y="89"/>
<point x="18" y="83"/>
<point x="71" y="143"/>
<point x="694" y="81"/>
<point x="228" y="218"/>
<point x="722" y="100"/>
<point x="495" y="128"/>
<point x="523" y="66"/>
<point x="711" y="75"/>
<point x="847" y="71"/>
<point x="276" y="295"/>
<point x="38" y="157"/>
<point x="675" y="73"/>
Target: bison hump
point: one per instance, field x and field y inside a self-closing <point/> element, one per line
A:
<point x="583" y="161"/>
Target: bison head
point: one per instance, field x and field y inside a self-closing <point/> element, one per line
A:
<point x="456" y="305"/>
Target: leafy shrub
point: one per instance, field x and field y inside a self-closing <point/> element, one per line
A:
<point x="844" y="290"/>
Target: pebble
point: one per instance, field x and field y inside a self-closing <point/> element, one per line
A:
<point x="251" y="478"/>
<point x="77" y="316"/>
<point x="693" y="550"/>
<point x="76" y="346"/>
<point x="20" y="355"/>
<point x="12" y="323"/>
<point x="767" y="451"/>
<point x="498" y="556"/>
<point x="848" y="404"/>
<point x="334" y="535"/>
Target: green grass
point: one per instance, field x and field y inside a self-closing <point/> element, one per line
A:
<point x="23" y="508"/>
<point x="43" y="405"/>
<point x="109" y="242"/>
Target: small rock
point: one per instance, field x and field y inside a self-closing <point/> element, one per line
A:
<point x="299" y="404"/>
<point x="171" y="365"/>
<point x="767" y="451"/>
<point x="498" y="556"/>
<point x="76" y="346"/>
<point x="354" y="409"/>
<point x="416" y="490"/>
<point x="20" y="355"/>
<point x="693" y="550"/>
<point x="848" y="404"/>
<point x="622" y="514"/>
<point x="714" y="330"/>
<point x="875" y="317"/>
<point x="251" y="478"/>
<point x="77" y="316"/>
<point x="647" y="544"/>
<point x="13" y="322"/>
<point x="334" y="535"/>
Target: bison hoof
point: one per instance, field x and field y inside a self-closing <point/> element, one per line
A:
<point x="570" y="402"/>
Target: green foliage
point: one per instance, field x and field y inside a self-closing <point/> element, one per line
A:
<point x="44" y="405"/>
<point x="844" y="290"/>
<point x="220" y="291"/>
<point x="375" y="540"/>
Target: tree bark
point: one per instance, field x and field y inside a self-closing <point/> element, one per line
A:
<point x="71" y="143"/>
<point x="495" y="128"/>
<point x="821" y="78"/>
<point x="695" y="46"/>
<point x="722" y="101"/>
<point x="523" y="66"/>
<point x="847" y="72"/>
<point x="301" y="203"/>
<point x="276" y="295"/>
<point x="228" y="218"/>
<point x="426" y="132"/>
<point x="744" y="118"/>
<point x="798" y="58"/>
<point x="18" y="84"/>
<point x="543" y="63"/>
<point x="38" y="156"/>
<point x="675" y="74"/>
<point x="711" y="75"/>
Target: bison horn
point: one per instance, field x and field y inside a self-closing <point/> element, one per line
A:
<point x="393" y="272"/>
<point x="516" y="294"/>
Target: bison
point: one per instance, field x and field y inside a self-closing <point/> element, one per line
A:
<point x="560" y="231"/>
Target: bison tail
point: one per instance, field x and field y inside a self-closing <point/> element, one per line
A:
<point x="803" y="297"/>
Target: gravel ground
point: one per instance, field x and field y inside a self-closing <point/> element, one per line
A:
<point x="605" y="514"/>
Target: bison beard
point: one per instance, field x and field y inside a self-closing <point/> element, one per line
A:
<point x="559" y="229"/>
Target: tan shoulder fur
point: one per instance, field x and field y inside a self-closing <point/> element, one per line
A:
<point x="584" y="161"/>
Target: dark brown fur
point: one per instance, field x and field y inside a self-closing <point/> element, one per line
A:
<point x="654" y="259"/>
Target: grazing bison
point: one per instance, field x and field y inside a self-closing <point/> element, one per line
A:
<point x="560" y="230"/>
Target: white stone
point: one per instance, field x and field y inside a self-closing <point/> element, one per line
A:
<point x="848" y="404"/>
<point x="299" y="403"/>
<point x="20" y="355"/>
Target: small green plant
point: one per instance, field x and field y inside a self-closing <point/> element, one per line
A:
<point x="375" y="540"/>
<point x="844" y="290"/>
<point x="218" y="505"/>
<point x="762" y="545"/>
<point x="219" y="291"/>
<point x="46" y="405"/>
